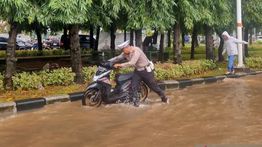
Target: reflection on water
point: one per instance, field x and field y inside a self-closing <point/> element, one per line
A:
<point x="226" y="113"/>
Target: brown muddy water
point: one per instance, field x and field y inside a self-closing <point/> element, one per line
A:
<point x="229" y="112"/>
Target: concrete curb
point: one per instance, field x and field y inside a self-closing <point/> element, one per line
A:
<point x="8" y="107"/>
<point x="57" y="98"/>
<point x="33" y="103"/>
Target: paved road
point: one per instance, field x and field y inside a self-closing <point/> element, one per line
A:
<point x="223" y="113"/>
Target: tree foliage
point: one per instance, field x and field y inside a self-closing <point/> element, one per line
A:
<point x="15" y="10"/>
<point x="252" y="12"/>
<point x="150" y="14"/>
<point x="67" y="12"/>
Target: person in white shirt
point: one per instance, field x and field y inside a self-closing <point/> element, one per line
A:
<point x="230" y="46"/>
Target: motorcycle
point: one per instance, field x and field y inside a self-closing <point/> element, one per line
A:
<point x="101" y="91"/>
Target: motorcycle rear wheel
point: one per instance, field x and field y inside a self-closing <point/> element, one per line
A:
<point x="143" y="91"/>
<point x="92" y="97"/>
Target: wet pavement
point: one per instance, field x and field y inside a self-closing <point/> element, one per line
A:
<point x="229" y="112"/>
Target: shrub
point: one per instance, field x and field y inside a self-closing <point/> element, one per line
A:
<point x="25" y="53"/>
<point x="259" y="42"/>
<point x="1" y="82"/>
<point x="31" y="53"/>
<point x="65" y="76"/>
<point x="168" y="71"/>
<point x="62" y="76"/>
<point x="207" y="64"/>
<point x="89" y="72"/>
<point x="26" y="81"/>
<point x="2" y="54"/>
<point x="254" y="62"/>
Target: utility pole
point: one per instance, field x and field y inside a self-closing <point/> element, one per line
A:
<point x="239" y="35"/>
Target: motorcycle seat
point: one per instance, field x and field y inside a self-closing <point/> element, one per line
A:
<point x="124" y="77"/>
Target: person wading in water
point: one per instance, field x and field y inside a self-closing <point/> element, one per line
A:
<point x="144" y="70"/>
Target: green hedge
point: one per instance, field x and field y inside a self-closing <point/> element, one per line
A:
<point x="26" y="81"/>
<point x="65" y="76"/>
<point x="89" y="73"/>
<point x="254" y="62"/>
<point x="168" y="71"/>
<point x="53" y="52"/>
<point x="62" y="76"/>
<point x="36" y="80"/>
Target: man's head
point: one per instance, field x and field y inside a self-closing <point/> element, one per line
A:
<point x="225" y="35"/>
<point x="125" y="47"/>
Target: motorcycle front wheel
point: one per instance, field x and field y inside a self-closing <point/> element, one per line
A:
<point x="92" y="97"/>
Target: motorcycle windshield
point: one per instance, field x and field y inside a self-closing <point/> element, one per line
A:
<point x="101" y="70"/>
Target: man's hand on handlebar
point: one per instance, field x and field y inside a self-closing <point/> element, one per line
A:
<point x="117" y="65"/>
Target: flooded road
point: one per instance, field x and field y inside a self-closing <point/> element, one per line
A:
<point x="229" y="112"/>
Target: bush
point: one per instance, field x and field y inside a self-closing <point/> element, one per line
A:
<point x="65" y="76"/>
<point x="254" y="62"/>
<point x="26" y="81"/>
<point x="259" y="42"/>
<point x="32" y="53"/>
<point x="2" y="54"/>
<point x="62" y="76"/>
<point x="163" y="71"/>
<point x="1" y="82"/>
<point x="169" y="71"/>
<point x="89" y="72"/>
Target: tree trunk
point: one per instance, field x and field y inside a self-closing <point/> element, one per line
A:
<point x="209" y="42"/>
<point x="220" y="49"/>
<point x="176" y="44"/>
<point x="196" y="42"/>
<point x="183" y="39"/>
<point x="65" y="31"/>
<point x="155" y="35"/>
<point x="147" y="42"/>
<point x="97" y="38"/>
<point x="76" y="61"/>
<point x="131" y="37"/>
<point x="251" y="37"/>
<point x="125" y="35"/>
<point x="91" y="28"/>
<point x="196" y="37"/>
<point x="66" y="39"/>
<point x="10" y="56"/>
<point x="138" y="36"/>
<point x="161" y="47"/>
<point x="193" y="42"/>
<point x="113" y="38"/>
<point x="169" y="38"/>
<point x="39" y="36"/>
<point x="246" y="31"/>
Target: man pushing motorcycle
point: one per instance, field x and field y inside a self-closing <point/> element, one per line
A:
<point x="144" y="70"/>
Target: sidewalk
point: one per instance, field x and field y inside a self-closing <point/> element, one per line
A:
<point x="33" y="103"/>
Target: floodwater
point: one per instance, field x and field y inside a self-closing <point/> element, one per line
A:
<point x="229" y="112"/>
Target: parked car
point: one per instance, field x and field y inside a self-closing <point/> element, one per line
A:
<point x="52" y="42"/>
<point x="23" y="45"/>
<point x="84" y="41"/>
<point x="3" y="43"/>
<point x="20" y="44"/>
